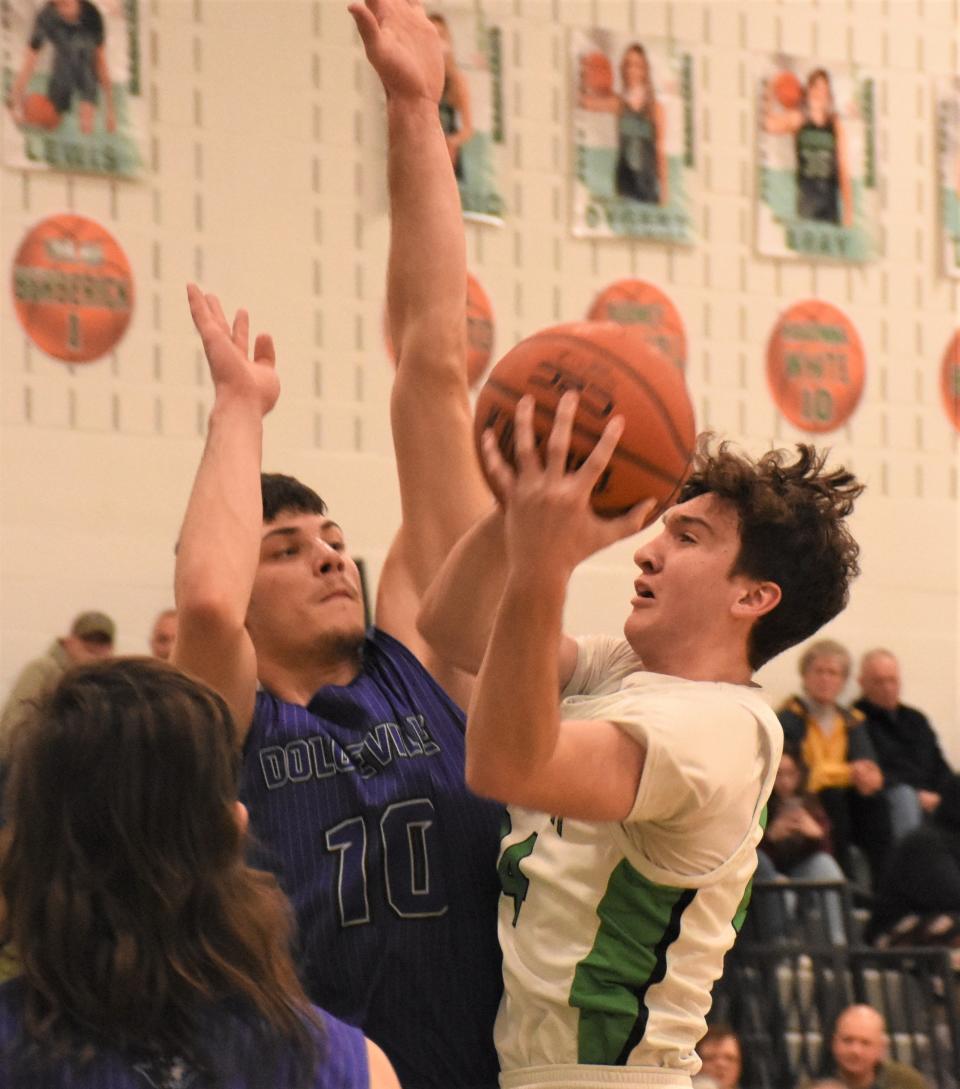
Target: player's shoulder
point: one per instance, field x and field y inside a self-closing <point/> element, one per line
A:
<point x="345" y="1049"/>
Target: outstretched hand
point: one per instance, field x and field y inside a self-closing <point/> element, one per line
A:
<point x="227" y="349"/>
<point x="549" y="523"/>
<point x="403" y="46"/>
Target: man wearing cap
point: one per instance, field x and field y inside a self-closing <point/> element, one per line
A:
<point x="91" y="637"/>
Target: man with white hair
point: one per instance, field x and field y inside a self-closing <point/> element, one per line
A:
<point x="859" y="1049"/>
<point x="906" y="745"/>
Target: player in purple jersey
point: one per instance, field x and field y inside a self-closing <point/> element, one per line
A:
<point x="151" y="954"/>
<point x="353" y="749"/>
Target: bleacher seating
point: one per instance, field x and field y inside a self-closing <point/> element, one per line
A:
<point x="783" y="992"/>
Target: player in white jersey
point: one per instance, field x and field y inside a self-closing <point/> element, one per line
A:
<point x="635" y="807"/>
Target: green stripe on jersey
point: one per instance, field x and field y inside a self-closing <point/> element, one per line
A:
<point x="741" y="914"/>
<point x="636" y="915"/>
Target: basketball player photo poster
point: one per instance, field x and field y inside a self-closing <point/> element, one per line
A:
<point x="948" y="146"/>
<point x="471" y="108"/>
<point x="633" y="137"/>
<point x="72" y="86"/>
<point x="817" y="188"/>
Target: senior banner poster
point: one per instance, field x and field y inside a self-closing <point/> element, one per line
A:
<point x="817" y="194"/>
<point x="633" y="137"/>
<point x="948" y="126"/>
<point x="72" y="86"/>
<point x="471" y="109"/>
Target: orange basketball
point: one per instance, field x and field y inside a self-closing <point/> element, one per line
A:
<point x="72" y="288"/>
<point x="479" y="331"/>
<point x="787" y="89"/>
<point x="596" y="74"/>
<point x="615" y="371"/>
<point x="40" y="112"/>
<point x="815" y="366"/>
<point x="635" y="302"/>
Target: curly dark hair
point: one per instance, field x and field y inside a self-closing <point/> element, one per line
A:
<point x="792" y="532"/>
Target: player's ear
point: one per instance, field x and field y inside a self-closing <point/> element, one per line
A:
<point x="756" y="599"/>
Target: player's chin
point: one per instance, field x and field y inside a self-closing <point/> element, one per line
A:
<point x="637" y="628"/>
<point x="346" y="638"/>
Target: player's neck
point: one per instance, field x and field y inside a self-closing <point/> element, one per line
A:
<point x="722" y="661"/>
<point x="297" y="682"/>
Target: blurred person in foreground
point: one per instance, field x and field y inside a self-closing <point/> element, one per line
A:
<point x="151" y="953"/>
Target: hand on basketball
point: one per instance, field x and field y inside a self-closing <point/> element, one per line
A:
<point x="403" y="46"/>
<point x="226" y="349"/>
<point x="549" y="522"/>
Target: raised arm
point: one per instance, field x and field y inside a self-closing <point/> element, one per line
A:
<point x="219" y="544"/>
<point x="518" y="750"/>
<point x="442" y="491"/>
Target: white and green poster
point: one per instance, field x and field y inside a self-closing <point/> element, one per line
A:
<point x="948" y="141"/>
<point x="72" y="86"/>
<point x="471" y="109"/>
<point x="817" y="190"/>
<point x="633" y="137"/>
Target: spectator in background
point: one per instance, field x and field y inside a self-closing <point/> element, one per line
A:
<point x="844" y="773"/>
<point x="919" y="900"/>
<point x="796" y="842"/>
<point x="722" y="1057"/>
<point x="907" y="749"/>
<point x="91" y="637"/>
<point x="859" y="1050"/>
<point x="163" y="634"/>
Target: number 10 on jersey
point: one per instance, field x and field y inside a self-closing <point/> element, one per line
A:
<point x="409" y="860"/>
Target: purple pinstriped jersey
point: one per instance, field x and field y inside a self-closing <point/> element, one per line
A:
<point x="343" y="1065"/>
<point x="359" y="805"/>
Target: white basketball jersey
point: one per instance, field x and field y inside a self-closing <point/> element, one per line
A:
<point x="614" y="934"/>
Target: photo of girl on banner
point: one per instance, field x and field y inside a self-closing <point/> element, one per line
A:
<point x="71" y="77"/>
<point x="948" y="123"/>
<point x="633" y="134"/>
<point x="817" y="193"/>
<point x="471" y="109"/>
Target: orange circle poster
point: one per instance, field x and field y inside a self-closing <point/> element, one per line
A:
<point x="950" y="380"/>
<point x="72" y="288"/>
<point x="636" y="302"/>
<point x="479" y="331"/>
<point x="815" y="366"/>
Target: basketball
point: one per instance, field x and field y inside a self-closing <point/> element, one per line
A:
<point x="596" y="74"/>
<point x="615" y="371"/>
<point x="40" y="112"/>
<point x="72" y="288"/>
<point x="479" y="332"/>
<point x="635" y="302"/>
<point x="788" y="90"/>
